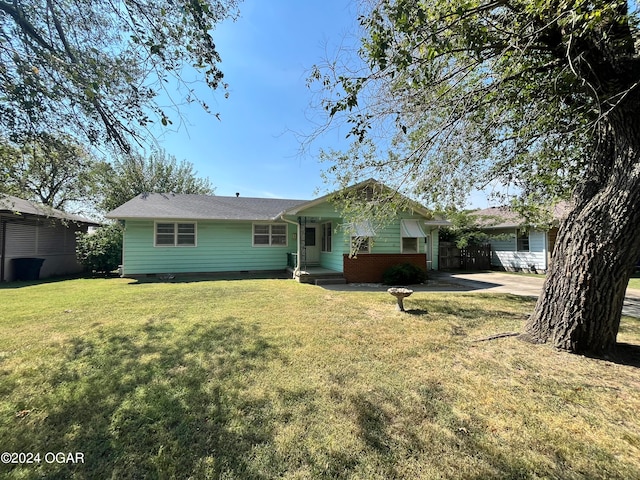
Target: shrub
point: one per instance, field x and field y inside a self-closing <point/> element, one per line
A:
<point x="404" y="274"/>
<point x="100" y="251"/>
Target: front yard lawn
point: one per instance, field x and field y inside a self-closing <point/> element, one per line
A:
<point x="261" y="379"/>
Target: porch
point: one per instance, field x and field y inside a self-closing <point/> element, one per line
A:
<point x="316" y="275"/>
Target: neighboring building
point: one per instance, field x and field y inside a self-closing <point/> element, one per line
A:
<point x="32" y="231"/>
<point x="515" y="246"/>
<point x="172" y="233"/>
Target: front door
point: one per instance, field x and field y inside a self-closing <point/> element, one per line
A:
<point x="311" y="245"/>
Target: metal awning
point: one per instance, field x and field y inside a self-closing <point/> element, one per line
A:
<point x="411" y="229"/>
<point x="361" y="229"/>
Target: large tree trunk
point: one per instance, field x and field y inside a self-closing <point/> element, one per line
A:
<point x="597" y="247"/>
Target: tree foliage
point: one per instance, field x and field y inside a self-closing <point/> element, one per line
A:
<point x="468" y="93"/>
<point x="95" y="67"/>
<point x="464" y="230"/>
<point x="130" y="175"/>
<point x="101" y="250"/>
<point x="52" y="170"/>
<point x="542" y="96"/>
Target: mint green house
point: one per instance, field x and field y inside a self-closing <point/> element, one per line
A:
<point x="197" y="234"/>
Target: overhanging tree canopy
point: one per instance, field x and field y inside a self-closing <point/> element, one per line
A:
<point x="95" y="67"/>
<point x="540" y="95"/>
<point x="50" y="169"/>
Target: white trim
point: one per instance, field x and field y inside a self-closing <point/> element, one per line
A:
<point x="527" y="235"/>
<point x="270" y="234"/>
<point x="366" y="242"/>
<point x="175" y="233"/>
<point x="323" y="237"/>
<point x="417" y="239"/>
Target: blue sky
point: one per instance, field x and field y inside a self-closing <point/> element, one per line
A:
<point x="267" y="54"/>
<point x="266" y="57"/>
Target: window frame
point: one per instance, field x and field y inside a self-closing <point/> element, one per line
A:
<point x="522" y="236"/>
<point x="326" y="245"/>
<point x="270" y="235"/>
<point x="176" y="234"/>
<point x="365" y="243"/>
<point x="417" y="242"/>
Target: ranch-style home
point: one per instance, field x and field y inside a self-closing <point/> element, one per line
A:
<point x="516" y="246"/>
<point x="37" y="241"/>
<point x="198" y="234"/>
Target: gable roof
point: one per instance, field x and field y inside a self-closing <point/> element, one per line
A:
<point x="212" y="207"/>
<point x="505" y="217"/>
<point x="19" y="206"/>
<point x="415" y="206"/>
<point x="201" y="207"/>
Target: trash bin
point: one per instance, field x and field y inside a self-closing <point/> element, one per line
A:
<point x="27" y="268"/>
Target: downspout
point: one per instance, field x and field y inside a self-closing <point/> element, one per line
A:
<point x="3" y="247"/>
<point x="297" y="269"/>
<point x="428" y="248"/>
<point x="123" y="225"/>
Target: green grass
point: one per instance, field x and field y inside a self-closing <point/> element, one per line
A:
<point x="261" y="379"/>
<point x="634" y="281"/>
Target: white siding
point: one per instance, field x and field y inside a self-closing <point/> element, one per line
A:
<point x="504" y="254"/>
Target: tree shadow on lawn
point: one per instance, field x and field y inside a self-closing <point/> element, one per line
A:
<point x="158" y="404"/>
<point x="168" y="403"/>
<point x="427" y="435"/>
<point x="624" y="354"/>
<point x="473" y="316"/>
<point x="432" y="436"/>
<point x="464" y="308"/>
<point x="43" y="281"/>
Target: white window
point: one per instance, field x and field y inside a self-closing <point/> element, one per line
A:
<point x="269" y="235"/>
<point x="175" y="234"/>
<point x="411" y="231"/>
<point x="326" y="237"/>
<point x="360" y="245"/>
<point x="522" y="241"/>
<point x="409" y="245"/>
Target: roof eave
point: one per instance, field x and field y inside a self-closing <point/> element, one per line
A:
<point x="17" y="213"/>
<point x="438" y="223"/>
<point x="195" y="219"/>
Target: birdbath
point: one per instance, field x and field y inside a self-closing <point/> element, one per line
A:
<point x="400" y="293"/>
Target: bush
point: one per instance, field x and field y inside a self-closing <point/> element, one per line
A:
<point x="100" y="251"/>
<point x="404" y="274"/>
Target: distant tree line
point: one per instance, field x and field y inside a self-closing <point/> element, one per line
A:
<point x="60" y="173"/>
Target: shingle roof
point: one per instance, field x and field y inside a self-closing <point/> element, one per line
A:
<point x="11" y="204"/>
<point x="202" y="207"/>
<point x="505" y="217"/>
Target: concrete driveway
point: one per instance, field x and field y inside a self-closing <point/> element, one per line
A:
<point x="524" y="285"/>
<point x="493" y="282"/>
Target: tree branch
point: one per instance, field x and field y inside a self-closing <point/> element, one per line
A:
<point x="18" y="16"/>
<point x="60" y="30"/>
